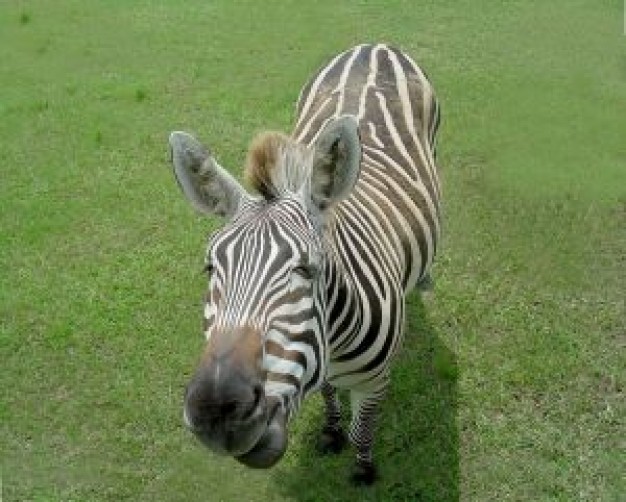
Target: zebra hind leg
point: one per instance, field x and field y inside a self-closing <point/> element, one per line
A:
<point x="364" y="413"/>
<point x="332" y="438"/>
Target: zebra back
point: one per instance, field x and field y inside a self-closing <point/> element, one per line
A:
<point x="391" y="219"/>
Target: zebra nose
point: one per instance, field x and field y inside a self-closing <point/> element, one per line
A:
<point x="218" y="395"/>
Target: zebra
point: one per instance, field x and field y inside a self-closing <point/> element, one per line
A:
<point x="307" y="277"/>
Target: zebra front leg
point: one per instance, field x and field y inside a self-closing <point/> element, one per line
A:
<point x="332" y="439"/>
<point x="364" y="413"/>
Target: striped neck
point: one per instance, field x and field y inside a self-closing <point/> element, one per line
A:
<point x="344" y="309"/>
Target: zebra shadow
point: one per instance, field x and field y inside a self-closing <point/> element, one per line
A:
<point x="417" y="441"/>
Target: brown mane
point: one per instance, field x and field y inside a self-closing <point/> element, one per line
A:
<point x="275" y="163"/>
<point x="263" y="156"/>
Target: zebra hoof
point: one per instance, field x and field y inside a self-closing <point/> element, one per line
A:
<point x="363" y="474"/>
<point x="331" y="441"/>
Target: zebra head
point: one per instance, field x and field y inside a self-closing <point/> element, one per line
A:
<point x="265" y="310"/>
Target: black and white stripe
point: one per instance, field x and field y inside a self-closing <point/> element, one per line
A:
<point x="329" y="299"/>
<point x="385" y="234"/>
<point x="251" y="264"/>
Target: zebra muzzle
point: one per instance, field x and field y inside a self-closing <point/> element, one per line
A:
<point x="272" y="444"/>
<point x="226" y="409"/>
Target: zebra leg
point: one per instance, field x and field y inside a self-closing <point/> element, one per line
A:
<point x="361" y="434"/>
<point x="332" y="439"/>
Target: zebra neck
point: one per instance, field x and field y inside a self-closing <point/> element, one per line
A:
<point x="343" y="308"/>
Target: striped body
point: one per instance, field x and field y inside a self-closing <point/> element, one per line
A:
<point x="384" y="235"/>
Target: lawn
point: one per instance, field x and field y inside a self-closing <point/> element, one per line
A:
<point x="511" y="383"/>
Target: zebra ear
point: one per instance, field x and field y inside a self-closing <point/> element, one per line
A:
<point x="207" y="185"/>
<point x="337" y="161"/>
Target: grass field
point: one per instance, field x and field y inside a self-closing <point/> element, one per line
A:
<point x="511" y="384"/>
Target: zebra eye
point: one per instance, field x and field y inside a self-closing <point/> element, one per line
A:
<point x="305" y="271"/>
<point x="208" y="269"/>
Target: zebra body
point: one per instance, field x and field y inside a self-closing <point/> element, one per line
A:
<point x="390" y="222"/>
<point x="307" y="281"/>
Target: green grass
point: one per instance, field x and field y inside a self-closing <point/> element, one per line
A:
<point x="511" y="384"/>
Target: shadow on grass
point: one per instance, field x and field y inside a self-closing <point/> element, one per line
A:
<point x="417" y="439"/>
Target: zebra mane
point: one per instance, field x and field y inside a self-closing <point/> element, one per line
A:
<point x="277" y="165"/>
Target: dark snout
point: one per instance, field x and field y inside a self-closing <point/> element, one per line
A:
<point x="228" y="411"/>
<point x="225" y="408"/>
